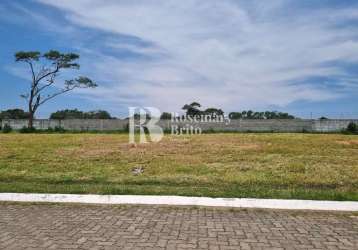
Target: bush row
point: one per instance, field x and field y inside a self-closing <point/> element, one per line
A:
<point x="25" y="130"/>
<point x="352" y="128"/>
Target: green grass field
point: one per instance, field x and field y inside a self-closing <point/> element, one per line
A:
<point x="303" y="166"/>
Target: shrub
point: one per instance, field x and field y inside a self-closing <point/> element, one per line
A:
<point x="126" y="128"/>
<point x="352" y="128"/>
<point x="146" y="130"/>
<point x="50" y="130"/>
<point x="7" y="128"/>
<point x="27" y="130"/>
<point x="59" y="129"/>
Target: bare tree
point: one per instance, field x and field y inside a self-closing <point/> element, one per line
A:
<point x="44" y="70"/>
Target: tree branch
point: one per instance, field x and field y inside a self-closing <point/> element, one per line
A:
<point x="32" y="72"/>
<point x="25" y="96"/>
<point x="48" y="74"/>
<point x="56" y="94"/>
<point x="50" y="82"/>
<point x="37" y="103"/>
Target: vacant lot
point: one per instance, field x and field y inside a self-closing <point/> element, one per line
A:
<point x="219" y="165"/>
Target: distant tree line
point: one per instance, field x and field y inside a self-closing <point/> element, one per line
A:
<point x="77" y="114"/>
<point x="260" y="115"/>
<point x="14" y="114"/>
<point x="193" y="109"/>
<point x="59" y="115"/>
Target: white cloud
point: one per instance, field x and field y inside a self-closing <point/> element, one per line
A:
<point x="232" y="54"/>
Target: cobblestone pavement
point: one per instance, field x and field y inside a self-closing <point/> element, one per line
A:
<point x="48" y="226"/>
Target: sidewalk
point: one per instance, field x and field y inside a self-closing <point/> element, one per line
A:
<point x="67" y="226"/>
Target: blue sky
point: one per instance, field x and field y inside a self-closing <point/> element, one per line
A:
<point x="297" y="56"/>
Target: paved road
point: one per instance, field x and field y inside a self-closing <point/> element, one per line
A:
<point x="28" y="226"/>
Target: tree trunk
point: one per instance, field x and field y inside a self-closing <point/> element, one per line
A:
<point x="31" y="120"/>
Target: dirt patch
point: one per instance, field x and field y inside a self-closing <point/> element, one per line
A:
<point x="348" y="143"/>
<point x="248" y="147"/>
<point x="166" y="146"/>
<point x="89" y="152"/>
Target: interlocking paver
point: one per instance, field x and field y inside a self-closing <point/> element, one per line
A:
<point x="59" y="226"/>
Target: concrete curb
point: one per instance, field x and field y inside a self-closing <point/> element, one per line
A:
<point x="183" y="201"/>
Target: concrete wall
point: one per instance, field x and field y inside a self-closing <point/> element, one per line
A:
<point x="72" y="124"/>
<point x="250" y="125"/>
<point x="235" y="125"/>
<point x="331" y="125"/>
